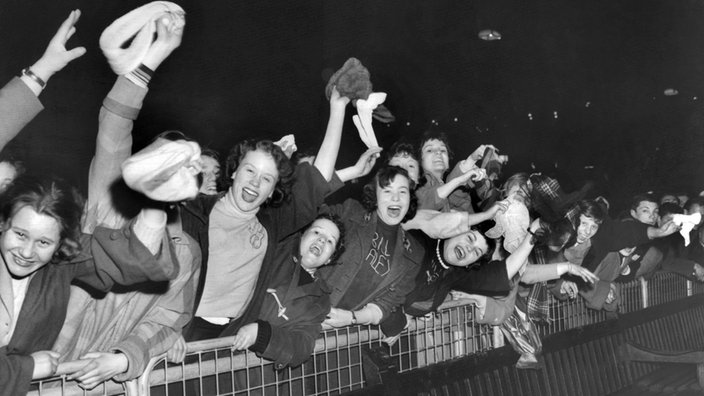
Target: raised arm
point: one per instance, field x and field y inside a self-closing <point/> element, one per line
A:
<point x="442" y="225"/>
<point x="327" y="155"/>
<point x="519" y="258"/>
<point x="446" y="189"/>
<point x="114" y="141"/>
<point x="535" y="273"/>
<point x="364" y="165"/>
<point x="18" y="99"/>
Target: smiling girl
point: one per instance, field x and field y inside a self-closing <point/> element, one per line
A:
<point x="43" y="252"/>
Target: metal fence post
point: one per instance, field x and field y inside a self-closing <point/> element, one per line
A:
<point x="498" y="337"/>
<point x="644" y="291"/>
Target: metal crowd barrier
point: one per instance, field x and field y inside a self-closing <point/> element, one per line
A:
<point x="60" y="386"/>
<point x="211" y="368"/>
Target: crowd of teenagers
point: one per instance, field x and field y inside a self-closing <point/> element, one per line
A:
<point x="175" y="244"/>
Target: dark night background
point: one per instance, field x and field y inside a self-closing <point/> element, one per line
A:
<point x="258" y="69"/>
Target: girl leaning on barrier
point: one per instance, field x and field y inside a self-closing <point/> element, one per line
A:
<point x="297" y="299"/>
<point x="43" y="251"/>
<point x="114" y="335"/>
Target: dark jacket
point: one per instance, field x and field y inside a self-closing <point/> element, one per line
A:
<point x="360" y="227"/>
<point x="613" y="236"/>
<point x="291" y="339"/>
<point x="307" y="194"/>
<point x="434" y="282"/>
<point x="112" y="256"/>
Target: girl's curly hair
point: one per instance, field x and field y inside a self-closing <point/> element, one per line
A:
<point x="283" y="165"/>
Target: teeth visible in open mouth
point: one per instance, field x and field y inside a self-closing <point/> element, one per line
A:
<point x="249" y="195"/>
<point x="250" y="192"/>
<point x="459" y="252"/>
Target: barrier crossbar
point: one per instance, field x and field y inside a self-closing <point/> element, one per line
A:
<point x="211" y="368"/>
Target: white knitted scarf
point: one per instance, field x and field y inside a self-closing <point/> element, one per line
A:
<point x="139" y="24"/>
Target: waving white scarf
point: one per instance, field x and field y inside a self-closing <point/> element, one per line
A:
<point x="139" y="23"/>
<point x="165" y="171"/>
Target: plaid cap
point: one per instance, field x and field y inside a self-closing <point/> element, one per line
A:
<point x="546" y="186"/>
<point x="550" y="201"/>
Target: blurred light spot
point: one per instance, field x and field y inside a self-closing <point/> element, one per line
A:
<point x="489" y="35"/>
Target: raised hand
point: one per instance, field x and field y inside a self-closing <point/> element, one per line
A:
<point x="366" y="161"/>
<point x="56" y="56"/>
<point x="498" y="208"/>
<point x="479" y="152"/>
<point x="337" y="101"/>
<point x="169" y="31"/>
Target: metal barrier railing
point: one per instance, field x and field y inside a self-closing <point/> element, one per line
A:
<point x="211" y="368"/>
<point x="450" y="333"/>
<point x="59" y="385"/>
<point x="569" y="314"/>
<point x="664" y="287"/>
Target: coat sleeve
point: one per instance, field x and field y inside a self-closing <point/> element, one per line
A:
<point x="18" y="106"/>
<point x="112" y="147"/>
<point x="595" y="297"/>
<point x="438" y="225"/>
<point x="624" y="234"/>
<point x="290" y="346"/>
<point x="488" y="279"/>
<point x="460" y="198"/>
<point x="16" y="372"/>
<point x="307" y="195"/>
<point x="613" y="236"/>
<point x="118" y="256"/>
<point x="428" y="197"/>
<point x="160" y="328"/>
